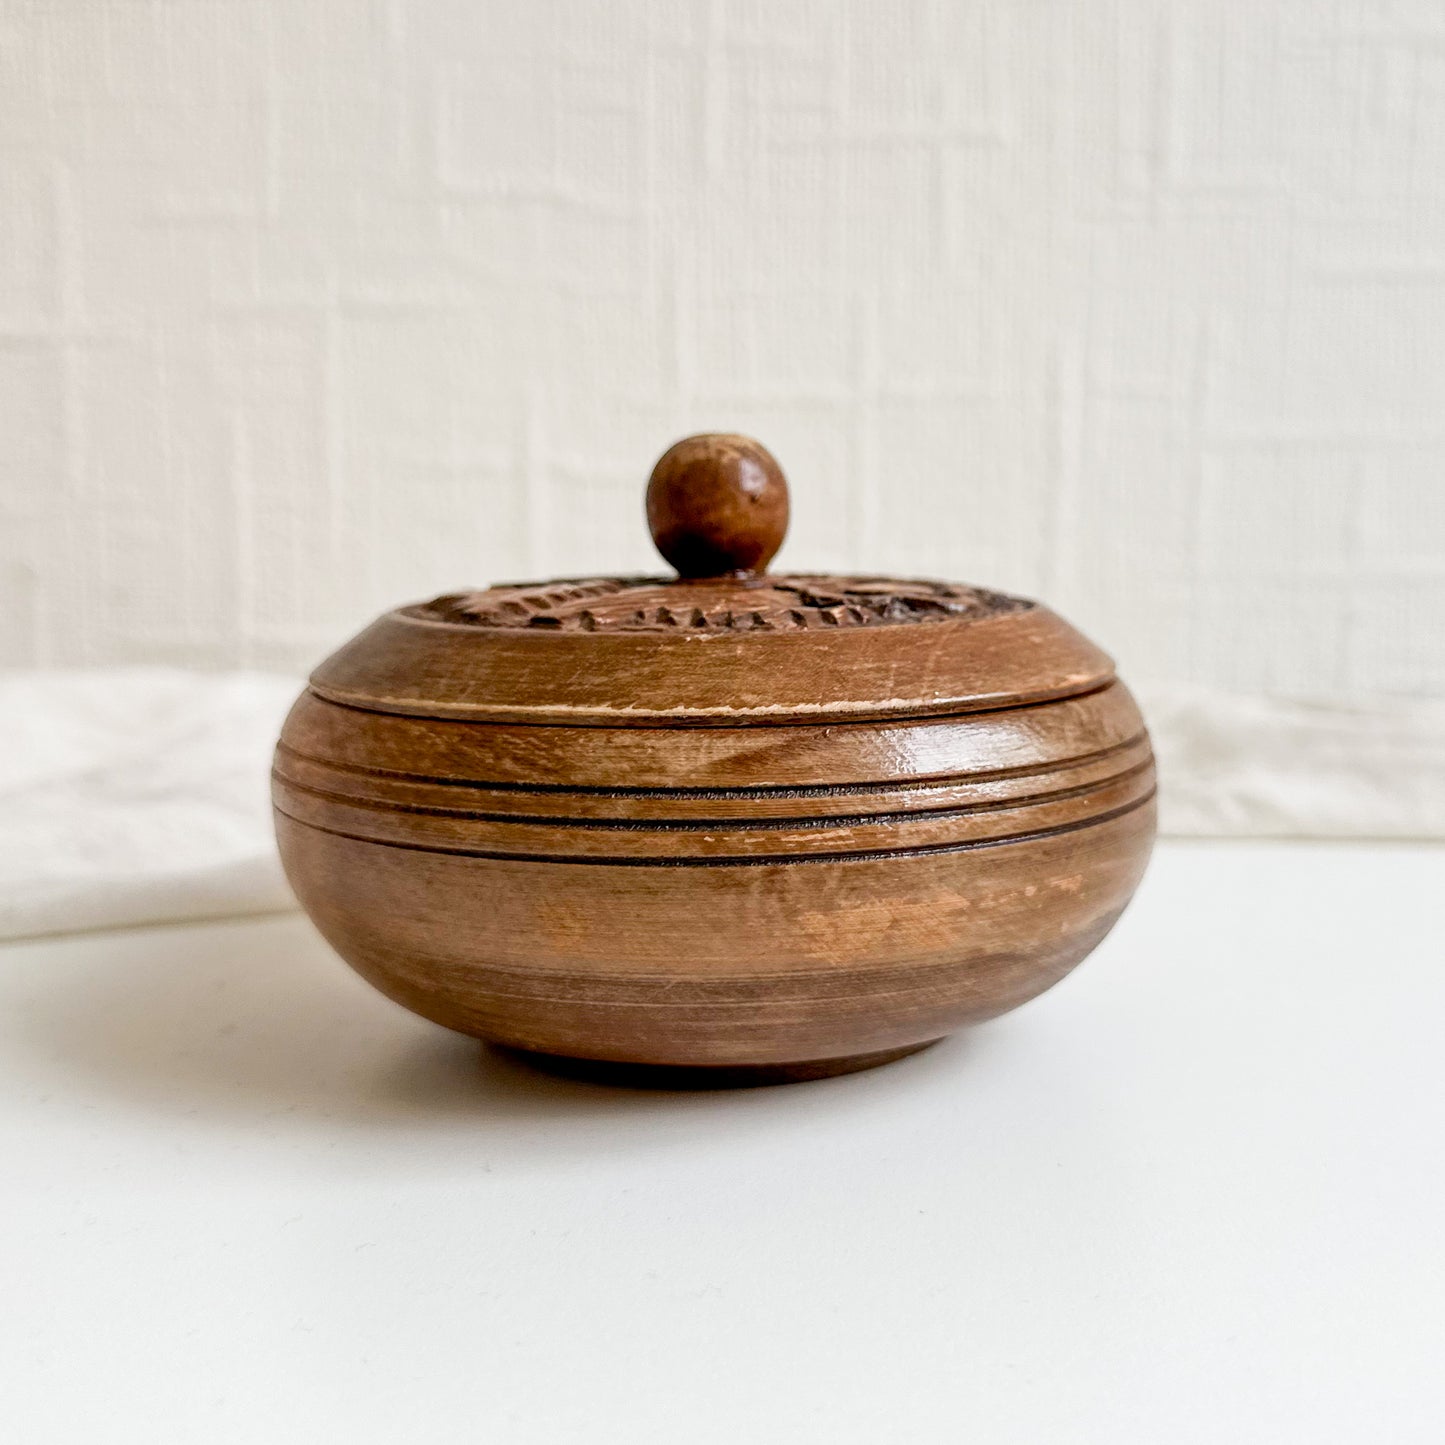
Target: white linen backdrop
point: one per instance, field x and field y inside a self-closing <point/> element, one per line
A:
<point x="307" y="308"/>
<point x="1138" y="308"/>
<point x="135" y="795"/>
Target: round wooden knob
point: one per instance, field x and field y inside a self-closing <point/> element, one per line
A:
<point x="717" y="505"/>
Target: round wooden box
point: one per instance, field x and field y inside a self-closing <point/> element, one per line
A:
<point x="727" y="827"/>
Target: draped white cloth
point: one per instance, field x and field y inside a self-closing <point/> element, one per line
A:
<point x="135" y="795"/>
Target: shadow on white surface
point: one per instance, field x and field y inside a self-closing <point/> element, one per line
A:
<point x="1192" y="1194"/>
<point x="255" y="1021"/>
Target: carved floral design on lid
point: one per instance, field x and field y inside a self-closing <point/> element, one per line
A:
<point x="785" y="603"/>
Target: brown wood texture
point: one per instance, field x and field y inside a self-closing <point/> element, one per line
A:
<point x="724" y="897"/>
<point x="710" y="605"/>
<point x="717" y="505"/>
<point x="766" y="828"/>
<point x="409" y="663"/>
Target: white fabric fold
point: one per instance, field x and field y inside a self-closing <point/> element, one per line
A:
<point x="1257" y="767"/>
<point x="135" y="795"/>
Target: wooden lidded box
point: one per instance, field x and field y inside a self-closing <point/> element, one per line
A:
<point x="728" y="826"/>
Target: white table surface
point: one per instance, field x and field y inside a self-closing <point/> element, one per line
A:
<point x="1193" y="1194"/>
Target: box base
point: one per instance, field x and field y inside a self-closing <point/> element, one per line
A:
<point x="705" y="1076"/>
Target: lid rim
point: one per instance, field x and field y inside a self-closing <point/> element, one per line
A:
<point x="416" y="667"/>
<point x="787" y="715"/>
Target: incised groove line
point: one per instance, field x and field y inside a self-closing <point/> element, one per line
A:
<point x="750" y="861"/>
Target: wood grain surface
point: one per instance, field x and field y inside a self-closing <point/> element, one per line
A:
<point x="724" y="897"/>
<point x="760" y="852"/>
<point x="717" y="505"/>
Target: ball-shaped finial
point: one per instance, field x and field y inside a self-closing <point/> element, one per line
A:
<point x="717" y="505"/>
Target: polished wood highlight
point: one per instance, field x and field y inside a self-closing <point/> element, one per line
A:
<point x="717" y="505"/>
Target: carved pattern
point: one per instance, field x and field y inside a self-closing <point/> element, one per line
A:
<point x="723" y="605"/>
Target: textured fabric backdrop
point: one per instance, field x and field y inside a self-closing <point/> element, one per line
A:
<point x="307" y="307"/>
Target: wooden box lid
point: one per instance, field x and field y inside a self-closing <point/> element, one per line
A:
<point x="722" y="643"/>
